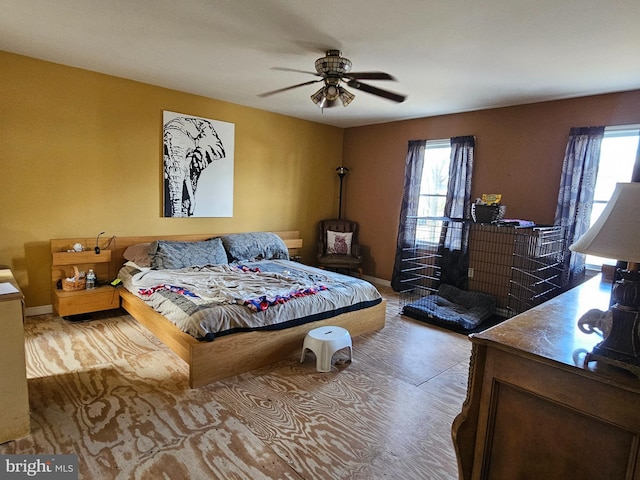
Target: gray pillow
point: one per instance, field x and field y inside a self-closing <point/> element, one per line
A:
<point x="173" y="254"/>
<point x="255" y="246"/>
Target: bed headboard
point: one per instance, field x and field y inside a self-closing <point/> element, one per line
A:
<point x="117" y="245"/>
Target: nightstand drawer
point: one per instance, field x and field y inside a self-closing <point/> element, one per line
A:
<point x="85" y="301"/>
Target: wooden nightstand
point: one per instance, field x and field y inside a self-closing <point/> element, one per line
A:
<point x="103" y="297"/>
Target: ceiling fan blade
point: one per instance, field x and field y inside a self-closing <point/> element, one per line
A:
<point x="280" y="90"/>
<point x="376" y="91"/>
<point x="284" y="69"/>
<point x="369" y="76"/>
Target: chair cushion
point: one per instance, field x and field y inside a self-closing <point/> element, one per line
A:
<point x="339" y="261"/>
<point x="339" y="242"/>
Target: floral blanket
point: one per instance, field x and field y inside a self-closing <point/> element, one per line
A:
<point x="216" y="300"/>
<point x="228" y="284"/>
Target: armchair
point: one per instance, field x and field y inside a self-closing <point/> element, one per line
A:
<point x="338" y="247"/>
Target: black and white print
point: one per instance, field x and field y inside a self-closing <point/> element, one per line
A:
<point x="197" y="166"/>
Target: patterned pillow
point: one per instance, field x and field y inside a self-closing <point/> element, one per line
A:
<point x="172" y="254"/>
<point x="255" y="246"/>
<point x="339" y="242"/>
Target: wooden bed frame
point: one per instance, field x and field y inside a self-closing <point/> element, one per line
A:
<point x="231" y="354"/>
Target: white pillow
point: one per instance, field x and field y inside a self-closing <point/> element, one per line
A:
<point x="339" y="242"/>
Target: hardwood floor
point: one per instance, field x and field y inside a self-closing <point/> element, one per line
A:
<point x="108" y="391"/>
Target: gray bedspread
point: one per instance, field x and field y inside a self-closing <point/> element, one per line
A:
<point x="211" y="301"/>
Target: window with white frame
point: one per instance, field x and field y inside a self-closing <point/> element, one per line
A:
<point x="433" y="190"/>
<point x="617" y="157"/>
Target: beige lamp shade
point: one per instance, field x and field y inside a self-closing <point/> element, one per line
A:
<point x="616" y="233"/>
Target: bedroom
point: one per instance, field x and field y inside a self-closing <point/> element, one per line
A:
<point x="81" y="154"/>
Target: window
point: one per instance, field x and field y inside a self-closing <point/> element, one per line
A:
<point x="433" y="190"/>
<point x="617" y="157"/>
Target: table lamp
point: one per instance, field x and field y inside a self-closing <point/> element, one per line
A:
<point x="615" y="235"/>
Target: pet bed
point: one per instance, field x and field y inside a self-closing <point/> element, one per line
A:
<point x="453" y="308"/>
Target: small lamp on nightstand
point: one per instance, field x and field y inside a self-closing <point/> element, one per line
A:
<point x="616" y="235"/>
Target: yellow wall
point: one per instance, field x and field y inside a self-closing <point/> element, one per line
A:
<point x="81" y="153"/>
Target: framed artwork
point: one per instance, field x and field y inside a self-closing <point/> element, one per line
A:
<point x="197" y="166"/>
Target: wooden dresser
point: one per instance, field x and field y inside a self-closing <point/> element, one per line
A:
<point x="14" y="396"/>
<point x="532" y="411"/>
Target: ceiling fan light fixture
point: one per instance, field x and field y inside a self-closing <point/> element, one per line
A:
<point x="318" y="97"/>
<point x="331" y="92"/>
<point x="327" y="96"/>
<point x="346" y="96"/>
<point x="334" y="69"/>
<point x="333" y="64"/>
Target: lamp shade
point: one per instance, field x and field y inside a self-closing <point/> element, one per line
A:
<point x="616" y="233"/>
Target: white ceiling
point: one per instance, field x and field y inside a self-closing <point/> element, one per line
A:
<point x="448" y="56"/>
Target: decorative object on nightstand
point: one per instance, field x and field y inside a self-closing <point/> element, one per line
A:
<point x="615" y="235"/>
<point x="77" y="282"/>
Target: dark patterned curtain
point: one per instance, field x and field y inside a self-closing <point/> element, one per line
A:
<point x="575" y="198"/>
<point x="454" y="261"/>
<point x="414" y="162"/>
<point x="458" y="204"/>
<point x="455" y="238"/>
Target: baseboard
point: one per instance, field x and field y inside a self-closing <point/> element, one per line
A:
<point x="379" y="281"/>
<point x="41" y="310"/>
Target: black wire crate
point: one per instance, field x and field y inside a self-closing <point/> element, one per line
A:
<point x="537" y="268"/>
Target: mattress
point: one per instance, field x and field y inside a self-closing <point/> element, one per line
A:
<point x="212" y="301"/>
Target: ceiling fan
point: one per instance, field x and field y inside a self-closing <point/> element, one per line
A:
<point x="334" y="69"/>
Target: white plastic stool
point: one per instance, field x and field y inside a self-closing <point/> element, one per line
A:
<point x="324" y="342"/>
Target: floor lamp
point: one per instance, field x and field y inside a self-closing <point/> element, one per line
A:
<point x="342" y="171"/>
